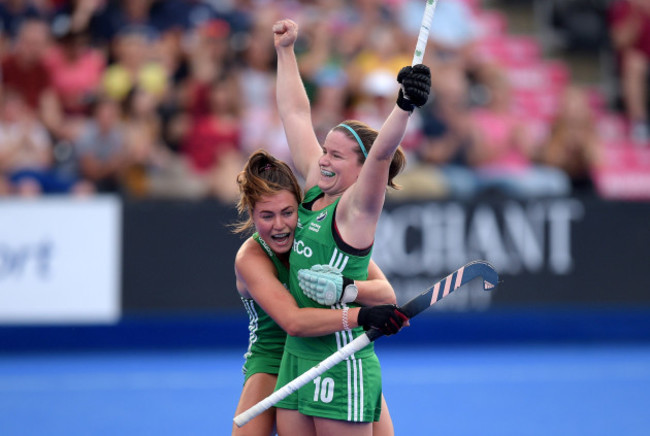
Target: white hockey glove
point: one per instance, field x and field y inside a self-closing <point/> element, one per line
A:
<point x="326" y="285"/>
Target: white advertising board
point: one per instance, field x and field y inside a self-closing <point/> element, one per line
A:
<point x="60" y="260"/>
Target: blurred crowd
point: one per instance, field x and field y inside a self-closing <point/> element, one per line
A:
<point x="166" y="99"/>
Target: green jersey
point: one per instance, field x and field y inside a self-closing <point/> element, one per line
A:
<point x="351" y="390"/>
<point x="266" y="339"/>
<point x="317" y="242"/>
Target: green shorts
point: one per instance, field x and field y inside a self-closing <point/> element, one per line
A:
<point x="257" y="363"/>
<point x="350" y="391"/>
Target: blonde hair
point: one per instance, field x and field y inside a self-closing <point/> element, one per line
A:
<point x="262" y="175"/>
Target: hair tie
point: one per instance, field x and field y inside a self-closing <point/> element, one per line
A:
<point x="363" y="149"/>
<point x="266" y="167"/>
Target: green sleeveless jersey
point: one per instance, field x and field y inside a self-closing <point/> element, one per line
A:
<point x="317" y="242"/>
<point x="266" y="338"/>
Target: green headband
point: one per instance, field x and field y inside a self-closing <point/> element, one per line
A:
<point x="363" y="149"/>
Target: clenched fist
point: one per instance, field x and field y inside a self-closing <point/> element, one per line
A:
<point x="285" y="33"/>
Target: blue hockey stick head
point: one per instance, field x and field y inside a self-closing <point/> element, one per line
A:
<point x="485" y="271"/>
<point x="442" y="288"/>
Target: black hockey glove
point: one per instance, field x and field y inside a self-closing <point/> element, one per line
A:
<point x="416" y="84"/>
<point x="387" y="318"/>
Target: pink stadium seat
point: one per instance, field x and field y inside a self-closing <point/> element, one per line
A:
<point x="539" y="103"/>
<point x="539" y="75"/>
<point x="509" y="50"/>
<point x="625" y="172"/>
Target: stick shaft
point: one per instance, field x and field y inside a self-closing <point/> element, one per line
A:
<point x="423" y="36"/>
<point x="338" y="357"/>
<point x="416" y="305"/>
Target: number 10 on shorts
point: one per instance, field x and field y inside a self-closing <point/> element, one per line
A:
<point x="324" y="388"/>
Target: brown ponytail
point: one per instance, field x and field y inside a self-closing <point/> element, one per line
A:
<point x="262" y="175"/>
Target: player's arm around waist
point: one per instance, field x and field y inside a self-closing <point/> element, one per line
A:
<point x="257" y="275"/>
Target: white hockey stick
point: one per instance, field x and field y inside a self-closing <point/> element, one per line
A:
<point x="423" y="36"/>
<point x="418" y="304"/>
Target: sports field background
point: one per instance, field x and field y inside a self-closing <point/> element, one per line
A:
<point x="506" y="389"/>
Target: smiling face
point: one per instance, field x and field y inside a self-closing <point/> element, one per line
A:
<point x="339" y="164"/>
<point x="275" y="218"/>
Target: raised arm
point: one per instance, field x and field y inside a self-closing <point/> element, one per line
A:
<point x="293" y="104"/>
<point x="368" y="193"/>
<point x="362" y="203"/>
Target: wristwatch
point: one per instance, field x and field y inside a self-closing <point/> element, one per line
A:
<point x="350" y="291"/>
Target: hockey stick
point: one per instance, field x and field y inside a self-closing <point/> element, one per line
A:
<point x="423" y="36"/>
<point x="438" y="291"/>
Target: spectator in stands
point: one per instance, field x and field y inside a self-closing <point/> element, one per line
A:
<point x="24" y="71"/>
<point x="374" y="98"/>
<point x="141" y="141"/>
<point x="330" y="102"/>
<point x="573" y="143"/>
<point x="262" y="129"/>
<point x="134" y="65"/>
<point x="193" y="58"/>
<point x="101" y="146"/>
<point x="14" y="13"/>
<point x="212" y="43"/>
<point x="151" y="169"/>
<point x="156" y="17"/>
<point x="371" y="77"/>
<point x="208" y="57"/>
<point x="240" y="15"/>
<point x="26" y="155"/>
<point x="501" y="147"/>
<point x="75" y="16"/>
<point x="446" y="127"/>
<point x="630" y="32"/>
<point x="25" y="147"/>
<point x="384" y="52"/>
<point x="213" y="143"/>
<point x="257" y="69"/>
<point x="158" y="50"/>
<point x="452" y="36"/>
<point x="75" y="69"/>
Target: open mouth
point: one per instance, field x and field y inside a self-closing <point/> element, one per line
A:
<point x="281" y="237"/>
<point x="326" y="173"/>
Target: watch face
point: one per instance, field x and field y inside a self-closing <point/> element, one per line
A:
<point x="350" y="293"/>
